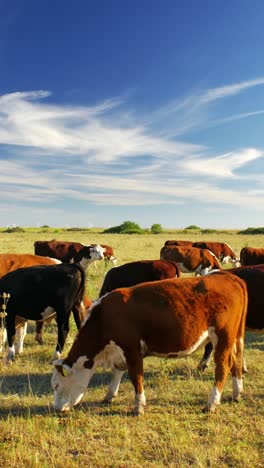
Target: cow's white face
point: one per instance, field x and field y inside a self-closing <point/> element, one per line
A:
<point x="69" y="386"/>
<point x="97" y="252"/>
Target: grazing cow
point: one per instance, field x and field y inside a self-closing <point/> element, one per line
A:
<point x="108" y="253"/>
<point x="221" y="250"/>
<point x="191" y="259"/>
<point x="39" y="292"/>
<point x="142" y="271"/>
<point x="180" y="243"/>
<point x="169" y="318"/>
<point x="73" y="252"/>
<point x="251" y="256"/>
<point x="253" y="276"/>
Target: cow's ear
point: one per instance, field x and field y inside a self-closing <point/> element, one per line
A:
<point x="63" y="369"/>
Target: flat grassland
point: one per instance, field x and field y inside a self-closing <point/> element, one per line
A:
<point x="172" y="433"/>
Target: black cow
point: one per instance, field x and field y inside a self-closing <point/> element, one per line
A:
<point x="141" y="271"/>
<point x="38" y="293"/>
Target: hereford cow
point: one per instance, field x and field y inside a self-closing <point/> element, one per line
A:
<point x="142" y="271"/>
<point x="73" y="252"/>
<point x="221" y="250"/>
<point x="39" y="292"/>
<point x="253" y="277"/>
<point x="179" y="243"/>
<point x="251" y="256"/>
<point x="191" y="259"/>
<point x="169" y="318"/>
<point x="108" y="253"/>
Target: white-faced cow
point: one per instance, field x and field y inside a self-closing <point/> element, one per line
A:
<point x="108" y="253"/>
<point x="69" y="252"/>
<point x="40" y="292"/>
<point x="251" y="256"/>
<point x="169" y="318"/>
<point x="142" y="271"/>
<point x="221" y="250"/>
<point x="191" y="259"/>
<point x="253" y="276"/>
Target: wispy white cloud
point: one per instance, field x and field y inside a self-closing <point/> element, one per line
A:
<point x="102" y="156"/>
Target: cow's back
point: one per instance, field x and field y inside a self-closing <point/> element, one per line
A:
<point x="11" y="262"/>
<point x="251" y="256"/>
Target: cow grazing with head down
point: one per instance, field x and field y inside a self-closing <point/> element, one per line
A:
<point x="70" y="252"/>
<point x="142" y="271"/>
<point x="191" y="259"/>
<point x="40" y="292"/>
<point x="253" y="276"/>
<point x="221" y="250"/>
<point x="251" y="256"/>
<point x="169" y="318"/>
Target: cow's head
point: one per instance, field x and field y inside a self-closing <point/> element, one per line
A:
<point x="89" y="254"/>
<point x="69" y="383"/>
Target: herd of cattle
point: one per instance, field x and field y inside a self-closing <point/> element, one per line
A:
<point x="145" y="308"/>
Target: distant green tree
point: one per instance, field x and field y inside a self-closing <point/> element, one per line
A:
<point x="156" y="229"/>
<point x="192" y="226"/>
<point x="127" y="227"/>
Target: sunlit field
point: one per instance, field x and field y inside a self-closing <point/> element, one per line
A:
<point x="172" y="433"/>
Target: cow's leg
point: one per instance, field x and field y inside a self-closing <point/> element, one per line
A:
<point x="38" y="335"/>
<point x="223" y="362"/>
<point x="135" y="371"/>
<point x="114" y="385"/>
<point x="204" y="363"/>
<point x="236" y="369"/>
<point x="20" y="336"/>
<point x="11" y="333"/>
<point x="79" y="314"/>
<point x="63" y="330"/>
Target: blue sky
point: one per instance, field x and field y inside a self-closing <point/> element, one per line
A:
<point x="150" y="111"/>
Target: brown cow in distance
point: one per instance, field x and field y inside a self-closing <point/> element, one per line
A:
<point x="251" y="256"/>
<point x="180" y="243"/>
<point x="169" y="318"/>
<point x="191" y="259"/>
<point x="69" y="252"/>
<point x="221" y="250"/>
<point x="142" y="271"/>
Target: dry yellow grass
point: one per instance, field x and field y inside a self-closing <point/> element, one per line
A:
<point x="172" y="433"/>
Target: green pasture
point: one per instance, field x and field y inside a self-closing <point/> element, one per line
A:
<point x="172" y="433"/>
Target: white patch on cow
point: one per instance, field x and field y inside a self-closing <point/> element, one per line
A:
<point x="97" y="252"/>
<point x="143" y="347"/>
<point x="111" y="356"/>
<point x="183" y="268"/>
<point x="114" y="385"/>
<point x="55" y="260"/>
<point x="56" y="355"/>
<point x="140" y="403"/>
<point x="70" y="387"/>
<point x="213" y="336"/>
<point x="114" y="260"/>
<point x="11" y="353"/>
<point x="20" y="336"/>
<point x="214" y="399"/>
<point x="237" y="387"/>
<point x="48" y="313"/>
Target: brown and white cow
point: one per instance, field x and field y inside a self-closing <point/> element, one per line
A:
<point x="142" y="271"/>
<point x="253" y="276"/>
<point x="69" y="252"/>
<point x="223" y="252"/>
<point x="179" y="242"/>
<point x="169" y="318"/>
<point x="191" y="259"/>
<point x="108" y="251"/>
<point x="251" y="256"/>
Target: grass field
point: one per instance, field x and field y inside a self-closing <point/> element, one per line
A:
<point x="172" y="433"/>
